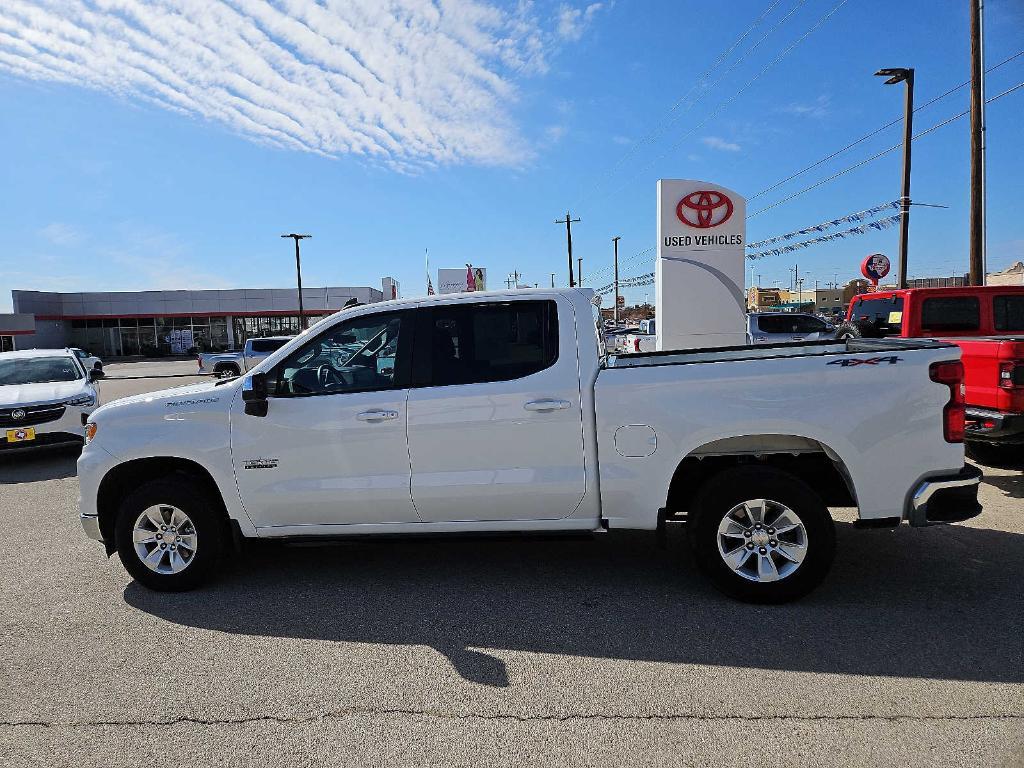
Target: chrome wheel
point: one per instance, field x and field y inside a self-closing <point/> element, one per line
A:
<point x="762" y="540"/>
<point x="165" y="539"/>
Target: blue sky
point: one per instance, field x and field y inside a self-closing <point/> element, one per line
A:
<point x="169" y="144"/>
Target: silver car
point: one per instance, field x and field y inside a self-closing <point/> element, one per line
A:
<point x="778" y="327"/>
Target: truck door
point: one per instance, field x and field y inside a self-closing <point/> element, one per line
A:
<point x="495" y="418"/>
<point x="332" y="447"/>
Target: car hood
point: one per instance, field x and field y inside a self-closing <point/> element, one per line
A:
<point x="45" y="392"/>
<point x="207" y="393"/>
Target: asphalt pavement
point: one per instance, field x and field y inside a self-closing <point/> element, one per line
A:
<point x="604" y="651"/>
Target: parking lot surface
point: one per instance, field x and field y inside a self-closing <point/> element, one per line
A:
<point x="605" y="651"/>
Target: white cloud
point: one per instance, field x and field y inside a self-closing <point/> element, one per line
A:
<point x="58" y="233"/>
<point x="411" y="83"/>
<point x="573" y="22"/>
<point x="555" y="133"/>
<point x="622" y="140"/>
<point x="721" y="144"/>
<point x="818" y="109"/>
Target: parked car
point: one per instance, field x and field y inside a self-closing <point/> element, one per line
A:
<point x="237" y="362"/>
<point x="777" y="327"/>
<point x="89" y="361"/>
<point x="644" y="340"/>
<point x="499" y="412"/>
<point x="45" y="397"/>
<point x="987" y="323"/>
<point x="616" y="339"/>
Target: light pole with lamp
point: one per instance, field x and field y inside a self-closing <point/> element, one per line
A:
<point x="903" y="75"/>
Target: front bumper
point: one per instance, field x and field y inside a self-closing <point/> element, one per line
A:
<point x="91" y="526"/>
<point x="994" y="426"/>
<point x="945" y="498"/>
<point x="67" y="429"/>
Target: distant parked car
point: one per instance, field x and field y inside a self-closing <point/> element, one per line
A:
<point x="89" y="361"/>
<point x="778" y="327"/>
<point x="237" y="362"/>
<point x="45" y="397"/>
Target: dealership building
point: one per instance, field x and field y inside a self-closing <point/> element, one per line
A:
<point x="157" y="323"/>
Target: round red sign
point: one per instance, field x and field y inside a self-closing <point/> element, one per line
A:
<point x="875" y="266"/>
<point x="704" y="209"/>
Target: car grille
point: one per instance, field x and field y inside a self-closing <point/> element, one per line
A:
<point x="34" y="414"/>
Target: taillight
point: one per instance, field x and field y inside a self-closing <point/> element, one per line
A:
<point x="1011" y="375"/>
<point x="951" y="374"/>
<point x="636" y="345"/>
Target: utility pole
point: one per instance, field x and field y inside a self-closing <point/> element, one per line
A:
<point x="298" y="276"/>
<point x="977" y="144"/>
<point x="904" y="75"/>
<point x="579" y="271"/>
<point x="552" y="279"/>
<point x="615" y="245"/>
<point x="569" y="221"/>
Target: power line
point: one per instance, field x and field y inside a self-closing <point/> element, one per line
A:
<point x="722" y="105"/>
<point x="875" y="132"/>
<point x="653" y="136"/>
<point x="874" y="157"/>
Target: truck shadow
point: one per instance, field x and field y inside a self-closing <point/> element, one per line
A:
<point x="940" y="603"/>
<point x="1010" y="485"/>
<point x="39" y="465"/>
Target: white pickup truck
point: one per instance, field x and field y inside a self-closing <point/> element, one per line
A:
<point x="498" y="411"/>
<point x="237" y="362"/>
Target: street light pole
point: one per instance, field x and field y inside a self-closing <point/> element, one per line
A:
<point x="298" y="277"/>
<point x="904" y="75"/>
<point x="615" y="244"/>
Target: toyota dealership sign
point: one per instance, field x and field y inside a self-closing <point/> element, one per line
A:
<point x="700" y="268"/>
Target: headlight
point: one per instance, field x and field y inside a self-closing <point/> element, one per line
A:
<point x="90" y="431"/>
<point x="82" y="400"/>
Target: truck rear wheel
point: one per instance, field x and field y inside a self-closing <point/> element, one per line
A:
<point x="168" y="536"/>
<point x="761" y="535"/>
<point x="856" y="329"/>
<point x="226" y="371"/>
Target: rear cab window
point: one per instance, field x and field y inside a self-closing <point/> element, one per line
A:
<point x="1008" y="313"/>
<point x="478" y="343"/>
<point x="885" y="314"/>
<point x="266" y="346"/>
<point x="951" y="313"/>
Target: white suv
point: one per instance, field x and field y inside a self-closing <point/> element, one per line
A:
<point x="45" y="397"/>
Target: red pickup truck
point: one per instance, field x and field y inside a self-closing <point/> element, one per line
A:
<point x="987" y="323"/>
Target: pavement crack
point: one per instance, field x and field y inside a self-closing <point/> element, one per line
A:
<point x="527" y="718"/>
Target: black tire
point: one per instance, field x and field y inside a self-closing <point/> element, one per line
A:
<point x="98" y="367"/>
<point x="205" y="517"/>
<point x="856" y="329"/>
<point x="730" y="488"/>
<point x="226" y="371"/>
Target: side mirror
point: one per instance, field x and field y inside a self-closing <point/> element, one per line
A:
<point x="96" y="374"/>
<point x="254" y="393"/>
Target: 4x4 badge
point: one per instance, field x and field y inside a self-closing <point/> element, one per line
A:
<point x="846" y="363"/>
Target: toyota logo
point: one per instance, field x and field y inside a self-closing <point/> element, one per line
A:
<point x="18" y="414"/>
<point x="704" y="209"/>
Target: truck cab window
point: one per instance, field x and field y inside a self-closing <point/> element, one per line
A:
<point x="356" y="356"/>
<point x="471" y="344"/>
<point x="953" y="313"/>
<point x="886" y="314"/>
<point x="1008" y="313"/>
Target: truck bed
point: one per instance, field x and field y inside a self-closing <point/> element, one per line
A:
<point x="771" y="351"/>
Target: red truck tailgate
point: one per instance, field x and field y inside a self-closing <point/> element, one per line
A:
<point x="994" y="372"/>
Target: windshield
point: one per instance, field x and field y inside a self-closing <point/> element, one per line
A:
<point x="37" y="370"/>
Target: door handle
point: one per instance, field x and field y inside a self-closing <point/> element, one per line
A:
<point x="377" y="415"/>
<point x="547" y="405"/>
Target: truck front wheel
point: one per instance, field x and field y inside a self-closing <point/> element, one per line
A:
<point x="169" y="537"/>
<point x="761" y="535"/>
